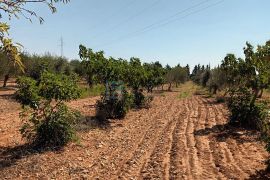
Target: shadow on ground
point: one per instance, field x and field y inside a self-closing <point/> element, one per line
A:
<point x="262" y="174"/>
<point x="91" y="122"/>
<point x="223" y="132"/>
<point x="7" y="92"/>
<point x="10" y="155"/>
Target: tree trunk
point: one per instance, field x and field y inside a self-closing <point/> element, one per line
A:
<point x="260" y="94"/>
<point x="5" y="80"/>
<point x="253" y="100"/>
<point x="170" y="87"/>
<point x="215" y="90"/>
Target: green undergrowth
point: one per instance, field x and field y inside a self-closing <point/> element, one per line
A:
<point x="96" y="90"/>
<point x="183" y="95"/>
<point x="188" y="89"/>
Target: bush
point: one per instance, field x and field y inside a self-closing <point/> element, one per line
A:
<point x="140" y="100"/>
<point x="53" y="128"/>
<point x="245" y="113"/>
<point x="113" y="105"/>
<point x="47" y="120"/>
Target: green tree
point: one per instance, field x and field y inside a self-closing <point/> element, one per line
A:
<point x="176" y="75"/>
<point x="154" y="75"/>
<point x="48" y="121"/>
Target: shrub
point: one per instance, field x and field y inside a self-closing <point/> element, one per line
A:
<point x="265" y="129"/>
<point x="140" y="100"/>
<point x="113" y="105"/>
<point x="244" y="112"/>
<point x="53" y="128"/>
<point x="47" y="120"/>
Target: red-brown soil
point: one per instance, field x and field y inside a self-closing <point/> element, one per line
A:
<point x="174" y="139"/>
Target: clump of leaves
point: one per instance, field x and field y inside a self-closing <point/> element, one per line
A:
<point x="47" y="120"/>
<point x="28" y="92"/>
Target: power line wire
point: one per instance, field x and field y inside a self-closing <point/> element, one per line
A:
<point x="129" y="18"/>
<point x="125" y="6"/>
<point x="175" y="15"/>
<point x="163" y="22"/>
<point x="177" y="19"/>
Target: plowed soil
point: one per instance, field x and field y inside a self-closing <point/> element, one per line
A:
<point x="177" y="138"/>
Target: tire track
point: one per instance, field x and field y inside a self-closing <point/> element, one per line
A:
<point x="112" y="156"/>
<point x="179" y="159"/>
<point x="210" y="171"/>
<point x="158" y="167"/>
<point x="134" y="165"/>
<point x="196" y="168"/>
<point x="225" y="159"/>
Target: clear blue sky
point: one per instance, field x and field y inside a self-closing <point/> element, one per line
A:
<point x="200" y="34"/>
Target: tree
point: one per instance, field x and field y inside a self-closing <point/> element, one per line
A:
<point x="205" y="76"/>
<point x="217" y="80"/>
<point x="232" y="67"/>
<point x="7" y="69"/>
<point x="19" y="8"/>
<point x="188" y="70"/>
<point x="77" y="67"/>
<point x="90" y="62"/>
<point x="47" y="120"/>
<point x="257" y="67"/>
<point x="154" y="75"/>
<point x="176" y="75"/>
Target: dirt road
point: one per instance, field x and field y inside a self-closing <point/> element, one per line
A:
<point x="178" y="138"/>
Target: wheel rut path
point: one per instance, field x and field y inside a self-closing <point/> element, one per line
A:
<point x="183" y="139"/>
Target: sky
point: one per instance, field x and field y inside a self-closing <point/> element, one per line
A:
<point x="169" y="31"/>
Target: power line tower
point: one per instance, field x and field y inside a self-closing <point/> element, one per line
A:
<point x="62" y="46"/>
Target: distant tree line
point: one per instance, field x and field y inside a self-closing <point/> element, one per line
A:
<point x="95" y="68"/>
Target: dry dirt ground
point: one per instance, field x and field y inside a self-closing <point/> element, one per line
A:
<point x="177" y="138"/>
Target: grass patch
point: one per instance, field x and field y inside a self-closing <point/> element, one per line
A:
<point x="183" y="95"/>
<point x="96" y="90"/>
<point x="188" y="89"/>
<point x="162" y="94"/>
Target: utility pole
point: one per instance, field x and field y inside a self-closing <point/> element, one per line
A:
<point x="62" y="46"/>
